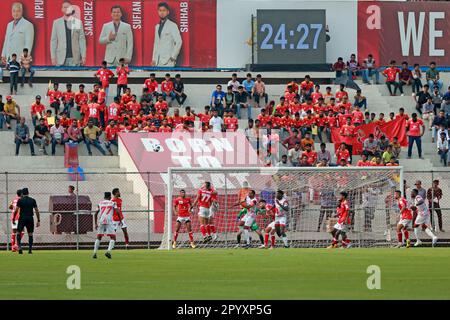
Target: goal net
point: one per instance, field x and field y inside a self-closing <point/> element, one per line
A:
<point x="312" y="194"/>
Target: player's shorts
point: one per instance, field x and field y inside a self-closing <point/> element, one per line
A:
<point x="271" y="225"/>
<point x="184" y="219"/>
<point x="204" y="212"/>
<point x="14" y="224"/>
<point x="213" y="210"/>
<point x="422" y="219"/>
<point x="120" y="224"/>
<point x="249" y="220"/>
<point x="25" y="223"/>
<point x="254" y="226"/>
<point x="106" y="229"/>
<point x="341" y="227"/>
<point x="280" y="220"/>
<point x="406" y="222"/>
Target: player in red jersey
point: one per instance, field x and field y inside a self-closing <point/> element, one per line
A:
<point x="105" y="224"/>
<point x="405" y="220"/>
<point x="206" y="199"/>
<point x="15" y="220"/>
<point x="340" y="228"/>
<point x="182" y="207"/>
<point x="118" y="218"/>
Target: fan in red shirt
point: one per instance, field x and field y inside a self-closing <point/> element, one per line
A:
<point x="111" y="136"/>
<point x="182" y="207"/>
<point x="341" y="92"/>
<point x="151" y="84"/>
<point x="406" y="218"/>
<point x="161" y="104"/>
<point x="37" y="110"/>
<point x="126" y="97"/>
<point x="348" y="132"/>
<point x="307" y="84"/>
<point x="310" y="154"/>
<point x="207" y="205"/>
<point x="54" y="97"/>
<point x="118" y="218"/>
<point x="189" y="117"/>
<point x="134" y="106"/>
<point x="341" y="227"/>
<point x="231" y="122"/>
<point x="414" y="132"/>
<point x="68" y="98"/>
<point x="289" y="95"/>
<point x="165" y="127"/>
<point x="122" y="72"/>
<point x="104" y="75"/>
<point x="391" y="76"/>
<point x="364" y="162"/>
<point x="316" y="94"/>
<point x="263" y="118"/>
<point x="167" y="87"/>
<point x="357" y="117"/>
<point x="93" y="111"/>
<point x="113" y="111"/>
<point x="81" y="97"/>
<point x="401" y="115"/>
<point x="204" y="117"/>
<point x="342" y="153"/>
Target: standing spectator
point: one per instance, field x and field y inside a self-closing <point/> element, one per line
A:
<point x="405" y="77"/>
<point x="234" y="82"/>
<point x="218" y="100"/>
<point x="437" y="122"/>
<point x="339" y="67"/>
<point x="434" y="196"/>
<point x="37" y="110"/>
<point x="391" y="76"/>
<point x="370" y="70"/>
<point x="348" y="132"/>
<point x="178" y="90"/>
<point x="421" y="191"/>
<point x="428" y="112"/>
<point x="442" y="148"/>
<point x="22" y="136"/>
<point x="25" y="63"/>
<point x="54" y="98"/>
<point x="415" y="130"/>
<point x="104" y="75"/>
<point x="259" y="91"/>
<point x="11" y="110"/>
<point x="14" y="67"/>
<point x="432" y="76"/>
<point x="241" y="98"/>
<point x="57" y="133"/>
<point x="167" y="87"/>
<point x="91" y="134"/>
<point x="354" y="68"/>
<point x="216" y="122"/>
<point x="41" y="135"/>
<point x="122" y="73"/>
<point x="417" y="75"/>
<point x="294" y="154"/>
<point x="422" y="98"/>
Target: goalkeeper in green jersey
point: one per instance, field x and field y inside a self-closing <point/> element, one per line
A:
<point x="241" y="217"/>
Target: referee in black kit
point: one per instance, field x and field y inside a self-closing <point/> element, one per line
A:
<point x="26" y="207"/>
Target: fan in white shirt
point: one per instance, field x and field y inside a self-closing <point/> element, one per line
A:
<point x="216" y="122"/>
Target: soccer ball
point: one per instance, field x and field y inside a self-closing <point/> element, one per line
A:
<point x="156" y="148"/>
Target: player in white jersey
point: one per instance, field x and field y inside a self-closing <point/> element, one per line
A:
<point x="105" y="224"/>
<point x="251" y="204"/>
<point x="280" y="210"/>
<point x="423" y="218"/>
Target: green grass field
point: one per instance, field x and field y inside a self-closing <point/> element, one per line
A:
<point x="229" y="274"/>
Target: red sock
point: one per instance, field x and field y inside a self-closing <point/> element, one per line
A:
<point x="266" y="239"/>
<point x="347" y="241"/>
<point x="127" y="240"/>
<point x="175" y="236"/>
<point x="272" y="239"/>
<point x="203" y="230"/>
<point x="334" y="241"/>
<point x="399" y="236"/>
<point x="191" y="237"/>
<point x="208" y="229"/>
<point x="213" y="228"/>
<point x="13" y="239"/>
<point x="406" y="233"/>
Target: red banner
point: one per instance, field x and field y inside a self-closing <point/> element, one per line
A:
<point x="417" y="32"/>
<point x="70" y="34"/>
<point x="391" y="129"/>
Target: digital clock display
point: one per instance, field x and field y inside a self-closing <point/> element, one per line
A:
<point x="291" y="36"/>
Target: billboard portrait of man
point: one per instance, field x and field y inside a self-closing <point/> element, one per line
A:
<point x="19" y="33"/>
<point x="168" y="40"/>
<point x="68" y="40"/>
<point x="118" y="38"/>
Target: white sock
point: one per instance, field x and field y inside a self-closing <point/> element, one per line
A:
<point x="111" y="244"/>
<point x="429" y="233"/>
<point x="96" y="245"/>
<point x="285" y="240"/>
<point x="247" y="236"/>
<point x="416" y="232"/>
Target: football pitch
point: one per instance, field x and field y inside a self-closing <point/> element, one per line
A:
<point x="416" y="273"/>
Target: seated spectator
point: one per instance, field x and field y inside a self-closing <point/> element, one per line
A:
<point x="323" y="154"/>
<point x="248" y="85"/>
<point x="37" y="110"/>
<point x="2" y="65"/>
<point x="178" y="90"/>
<point x="432" y="77"/>
<point x="417" y="76"/>
<point x="447" y="94"/>
<point x="284" y="162"/>
<point x="383" y="144"/>
<point x="25" y="64"/>
<point x="218" y="100"/>
<point x="369" y="70"/>
<point x="442" y="148"/>
<point x="360" y="100"/>
<point x="445" y="106"/>
<point x="2" y="112"/>
<point x="41" y="136"/>
<point x="437" y="99"/>
<point x="353" y="67"/>
<point x="152" y="85"/>
<point x="22" y="136"/>
<point x="241" y="98"/>
<point x="393" y="162"/>
<point x="439" y="120"/>
<point x="341" y="93"/>
<point x="396" y="147"/>
<point x="388" y="154"/>
<point x="404" y="77"/>
<point x="339" y="67"/>
<point x="307" y="85"/>
<point x="428" y="112"/>
<point x="234" y="83"/>
<point x="371" y="146"/>
<point x="322" y="163"/>
<point x="68" y="99"/>
<point x="443" y="129"/>
<point x="167" y="88"/>
<point x="307" y="140"/>
<point x="231" y="122"/>
<point x="74" y="132"/>
<point x="111" y="137"/>
<point x="391" y="75"/>
<point x="304" y="162"/>
<point x="422" y="97"/>
<point x="11" y="110"/>
<point x="54" y="97"/>
<point x="342" y="154"/>
<point x="363" y="162"/>
<point x="310" y="154"/>
<point x="57" y="134"/>
<point x="259" y="91"/>
<point x="91" y="137"/>
<point x="230" y="100"/>
<point x="216" y="122"/>
<point x="294" y="154"/>
<point x="292" y="140"/>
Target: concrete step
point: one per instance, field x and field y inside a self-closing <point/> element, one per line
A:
<point x="25" y="163"/>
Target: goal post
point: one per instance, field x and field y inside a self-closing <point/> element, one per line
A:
<point x="312" y="194"/>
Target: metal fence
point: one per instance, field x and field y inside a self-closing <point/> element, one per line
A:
<point x="67" y="221"/>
